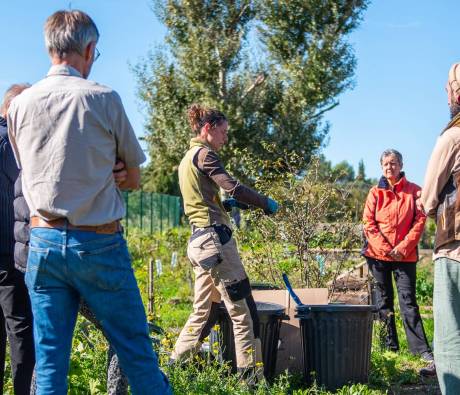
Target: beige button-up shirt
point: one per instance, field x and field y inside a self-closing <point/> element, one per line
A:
<point x="66" y="134"/>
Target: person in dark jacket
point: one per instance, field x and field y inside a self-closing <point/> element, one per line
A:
<point x="14" y="298"/>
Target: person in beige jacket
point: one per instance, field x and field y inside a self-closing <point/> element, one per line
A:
<point x="441" y="200"/>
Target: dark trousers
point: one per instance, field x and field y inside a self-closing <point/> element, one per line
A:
<point x="404" y="274"/>
<point x="2" y="350"/>
<point x="17" y="313"/>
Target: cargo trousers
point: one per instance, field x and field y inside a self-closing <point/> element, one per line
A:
<point x="220" y="275"/>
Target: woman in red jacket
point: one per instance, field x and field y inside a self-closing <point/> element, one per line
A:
<point x="393" y="225"/>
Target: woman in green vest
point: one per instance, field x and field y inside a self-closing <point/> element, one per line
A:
<point x="219" y="273"/>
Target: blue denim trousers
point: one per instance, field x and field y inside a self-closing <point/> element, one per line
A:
<point x="66" y="265"/>
<point x="446" y="309"/>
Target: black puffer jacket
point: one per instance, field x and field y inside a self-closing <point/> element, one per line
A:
<point x="8" y="175"/>
<point x="21" y="227"/>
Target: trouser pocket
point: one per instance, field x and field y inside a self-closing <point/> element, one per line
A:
<point x="205" y="249"/>
<point x="238" y="290"/>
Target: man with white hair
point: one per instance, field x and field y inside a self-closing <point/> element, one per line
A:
<point x="67" y="134"/>
<point x="441" y="200"/>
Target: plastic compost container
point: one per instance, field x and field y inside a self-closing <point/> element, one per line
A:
<point x="270" y="317"/>
<point x="336" y="341"/>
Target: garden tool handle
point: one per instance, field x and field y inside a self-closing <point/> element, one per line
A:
<point x="291" y="291"/>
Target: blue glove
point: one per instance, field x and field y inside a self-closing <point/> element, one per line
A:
<point x="272" y="207"/>
<point x="231" y="202"/>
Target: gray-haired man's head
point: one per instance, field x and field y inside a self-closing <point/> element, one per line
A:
<point x="69" y="31"/>
<point x="10" y="94"/>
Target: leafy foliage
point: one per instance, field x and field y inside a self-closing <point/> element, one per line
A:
<point x="274" y="68"/>
<point x="312" y="224"/>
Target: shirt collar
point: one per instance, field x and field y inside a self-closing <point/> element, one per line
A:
<point x="384" y="184"/>
<point x="63" y="69"/>
<point x="196" y="142"/>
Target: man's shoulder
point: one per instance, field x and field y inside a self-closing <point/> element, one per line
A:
<point x="451" y="135"/>
<point x="69" y="84"/>
<point x="92" y="89"/>
<point x="97" y="87"/>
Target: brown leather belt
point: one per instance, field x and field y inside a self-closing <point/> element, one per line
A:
<point x="63" y="223"/>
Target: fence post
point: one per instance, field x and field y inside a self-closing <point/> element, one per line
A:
<point x="176" y="220"/>
<point x="151" y="306"/>
<point x="151" y="213"/>
<point x="161" y="213"/>
<point x="168" y="215"/>
<point x="141" y="219"/>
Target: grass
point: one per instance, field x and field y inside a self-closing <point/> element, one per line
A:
<point x="391" y="373"/>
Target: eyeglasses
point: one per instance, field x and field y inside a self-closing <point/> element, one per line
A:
<point x="96" y="54"/>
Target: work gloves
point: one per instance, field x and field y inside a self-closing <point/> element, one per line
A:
<point x="272" y="206"/>
<point x="230" y="203"/>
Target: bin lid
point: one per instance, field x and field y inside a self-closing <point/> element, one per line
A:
<point x="270" y="308"/>
<point x="260" y="286"/>
<point x="334" y="308"/>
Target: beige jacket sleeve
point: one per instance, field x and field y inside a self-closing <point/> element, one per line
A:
<point x="444" y="161"/>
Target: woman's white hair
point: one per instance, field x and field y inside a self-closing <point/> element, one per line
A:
<point x="10" y="94"/>
<point x="392" y="152"/>
<point x="69" y="31"/>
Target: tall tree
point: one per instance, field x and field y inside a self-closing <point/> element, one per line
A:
<point x="273" y="67"/>
<point x="361" y="171"/>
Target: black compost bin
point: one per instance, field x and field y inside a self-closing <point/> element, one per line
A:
<point x="336" y="342"/>
<point x="270" y="316"/>
<point x="260" y="286"/>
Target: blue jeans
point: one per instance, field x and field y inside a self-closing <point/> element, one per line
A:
<point x="64" y="265"/>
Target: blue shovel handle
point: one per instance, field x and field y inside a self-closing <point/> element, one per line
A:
<point x="291" y="291"/>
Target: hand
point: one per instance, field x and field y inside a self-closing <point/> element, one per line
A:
<point x="418" y="201"/>
<point x="272" y="207"/>
<point x="396" y="255"/>
<point x="119" y="172"/>
<point x="231" y="202"/>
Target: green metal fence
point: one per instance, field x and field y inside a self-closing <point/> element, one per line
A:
<point x="151" y="212"/>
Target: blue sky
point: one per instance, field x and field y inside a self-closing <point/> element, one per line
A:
<point x="404" y="50"/>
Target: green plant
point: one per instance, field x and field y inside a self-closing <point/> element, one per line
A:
<point x="424" y="287"/>
<point x="312" y="235"/>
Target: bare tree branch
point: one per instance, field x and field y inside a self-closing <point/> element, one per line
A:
<point x="260" y="79"/>
<point x="317" y="115"/>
